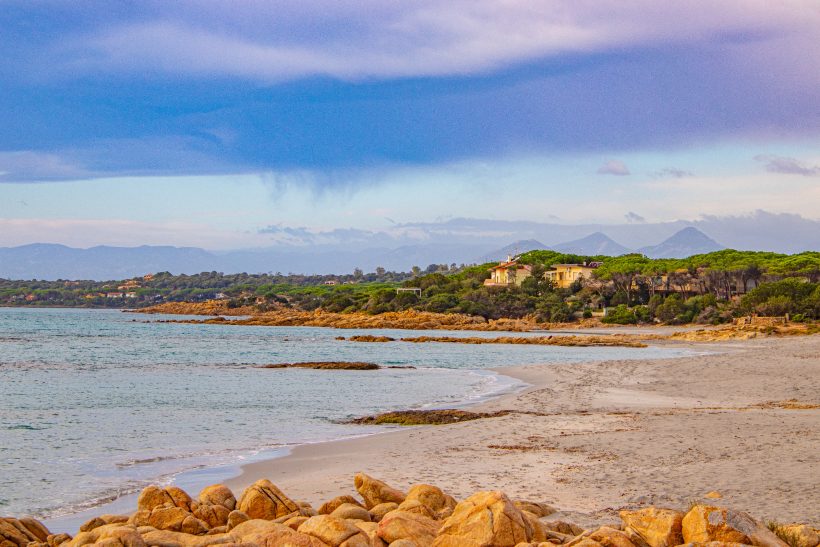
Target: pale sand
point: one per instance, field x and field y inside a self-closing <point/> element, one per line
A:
<point x="622" y="433"/>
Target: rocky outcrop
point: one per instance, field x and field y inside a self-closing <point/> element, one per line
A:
<point x="263" y="500"/>
<point x="705" y="523"/>
<point x="424" y="517"/>
<point x="374" y="491"/>
<point x="656" y="527"/>
<point x="485" y="518"/>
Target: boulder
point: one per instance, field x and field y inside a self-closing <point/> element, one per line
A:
<point x="485" y="518"/>
<point x="295" y="522"/>
<point x="656" y="527"/>
<point x="180" y="497"/>
<point x="539" y="533"/>
<point x="415" y="506"/>
<point x="110" y="535"/>
<point x="14" y="532"/>
<point x="236" y="518"/>
<point x="102" y="520"/>
<point x="330" y="506"/>
<point x="218" y="494"/>
<point x="705" y="523"/>
<point x="169" y="538"/>
<point x="441" y="505"/>
<point x="610" y="537"/>
<point x="382" y="509"/>
<point x="265" y="533"/>
<point x="401" y="525"/>
<point x="798" y="535"/>
<point x="57" y="539"/>
<point x="351" y="511"/>
<point x="540" y="510"/>
<point x="374" y="491"/>
<point x="212" y="514"/>
<point x="168" y="518"/>
<point x="563" y="527"/>
<point x="194" y="526"/>
<point x="331" y="530"/>
<point x="38" y="528"/>
<point x="371" y="530"/>
<point x="263" y="500"/>
<point x="153" y="496"/>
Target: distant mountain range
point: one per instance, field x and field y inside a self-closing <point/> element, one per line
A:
<point x="689" y="241"/>
<point x="460" y="241"/>
<point x="593" y="244"/>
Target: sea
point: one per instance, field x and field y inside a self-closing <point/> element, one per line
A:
<point x="97" y="404"/>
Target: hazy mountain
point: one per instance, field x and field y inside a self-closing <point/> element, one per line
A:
<point x="689" y="241"/>
<point x="512" y="249"/>
<point x="593" y="244"/>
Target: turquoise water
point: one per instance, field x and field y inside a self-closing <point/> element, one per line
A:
<point x="95" y="404"/>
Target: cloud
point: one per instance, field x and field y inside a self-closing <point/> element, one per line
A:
<point x="613" y="167"/>
<point x="634" y="218"/>
<point x="671" y="172"/>
<point x="275" y="41"/>
<point x="30" y="165"/>
<point x="788" y="166"/>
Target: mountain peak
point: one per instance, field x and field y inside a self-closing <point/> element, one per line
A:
<point x="686" y="242"/>
<point x="596" y="243"/>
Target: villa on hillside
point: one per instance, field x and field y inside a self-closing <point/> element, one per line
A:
<point x="564" y="275"/>
<point x="508" y="273"/>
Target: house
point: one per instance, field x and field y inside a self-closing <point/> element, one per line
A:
<point x="114" y="295"/>
<point x="564" y="275"/>
<point x="331" y="282"/>
<point x="130" y="295"/>
<point x="508" y="273"/>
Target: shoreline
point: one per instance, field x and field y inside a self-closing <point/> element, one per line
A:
<point x="436" y="454"/>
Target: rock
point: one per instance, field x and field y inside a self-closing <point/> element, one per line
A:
<point x="610" y="537"/>
<point x="102" y="520"/>
<point x="217" y="530"/>
<point x="382" y="509"/>
<point x="656" y="527"/>
<point x="110" y="535"/>
<point x="180" y="497"/>
<point x="263" y="500"/>
<point x="13" y="532"/>
<point x="265" y="533"/>
<point x="218" y="494"/>
<point x="398" y="524"/>
<point x="563" y="527"/>
<point x="415" y="506"/>
<point x="306" y="509"/>
<point x="333" y="531"/>
<point x="713" y="495"/>
<point x="797" y="535"/>
<point x="57" y="539"/>
<point x="539" y="534"/>
<point x="194" y="526"/>
<point x="403" y="543"/>
<point x="374" y="491"/>
<point x="212" y="514"/>
<point x="371" y="529"/>
<point x="153" y="496"/>
<point x="295" y="522"/>
<point x="485" y="518"/>
<point x="38" y="528"/>
<point x="441" y="505"/>
<point x="168" y="518"/>
<point x="705" y="523"/>
<point x="236" y="518"/>
<point x="540" y="510"/>
<point x="351" y="511"/>
<point x="330" y="506"/>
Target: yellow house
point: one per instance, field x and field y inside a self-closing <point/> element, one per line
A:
<point x="564" y="275"/>
<point x="508" y="273"/>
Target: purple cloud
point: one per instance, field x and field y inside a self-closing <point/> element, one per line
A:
<point x="614" y="167"/>
<point x="788" y="166"/>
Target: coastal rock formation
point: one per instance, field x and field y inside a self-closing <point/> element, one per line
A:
<point x="705" y="523"/>
<point x="263" y="500"/>
<point x="485" y="518"/>
<point x="424" y="517"/>
<point x="402" y="525"/>
<point x="374" y="491"/>
<point x="656" y="527"/>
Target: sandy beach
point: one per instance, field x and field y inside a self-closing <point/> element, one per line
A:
<point x="613" y="434"/>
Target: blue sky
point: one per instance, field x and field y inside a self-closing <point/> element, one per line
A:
<point x="204" y="123"/>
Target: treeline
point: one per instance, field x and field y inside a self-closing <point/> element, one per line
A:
<point x="708" y="288"/>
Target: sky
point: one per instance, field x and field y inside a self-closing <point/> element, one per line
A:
<point x="231" y="125"/>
